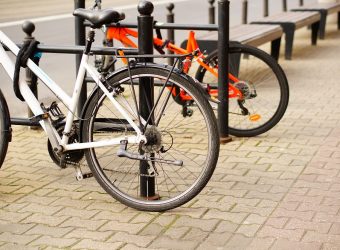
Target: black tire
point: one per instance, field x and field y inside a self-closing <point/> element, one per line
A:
<point x="256" y="70"/>
<point x="178" y="136"/>
<point x="5" y="128"/>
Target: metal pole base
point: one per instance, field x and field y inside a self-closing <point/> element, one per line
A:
<point x="225" y="140"/>
<point x="152" y="198"/>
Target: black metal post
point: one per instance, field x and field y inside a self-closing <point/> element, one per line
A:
<point x="80" y="40"/>
<point x="223" y="69"/>
<point x="301" y="2"/>
<point x="245" y="12"/>
<point x="31" y="79"/>
<point x="265" y="8"/>
<point x="145" y="46"/>
<point x="211" y="12"/>
<point x="284" y="5"/>
<point x="170" y="18"/>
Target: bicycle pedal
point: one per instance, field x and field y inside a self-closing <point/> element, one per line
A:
<point x="62" y="162"/>
<point x="80" y="176"/>
<point x="55" y="111"/>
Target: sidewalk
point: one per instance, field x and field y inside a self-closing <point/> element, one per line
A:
<point x="280" y="190"/>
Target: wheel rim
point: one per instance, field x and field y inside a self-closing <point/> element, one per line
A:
<point x="256" y="77"/>
<point x="181" y="138"/>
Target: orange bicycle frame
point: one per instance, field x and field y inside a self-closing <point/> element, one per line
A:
<point x="121" y="34"/>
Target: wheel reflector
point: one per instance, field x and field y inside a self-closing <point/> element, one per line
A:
<point x="254" y="118"/>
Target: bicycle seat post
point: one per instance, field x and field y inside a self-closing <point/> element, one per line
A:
<point x="89" y="41"/>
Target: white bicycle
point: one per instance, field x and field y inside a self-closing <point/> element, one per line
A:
<point x="173" y="146"/>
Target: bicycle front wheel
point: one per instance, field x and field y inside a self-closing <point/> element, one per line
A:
<point x="182" y="141"/>
<point x="5" y="133"/>
<point x="261" y="81"/>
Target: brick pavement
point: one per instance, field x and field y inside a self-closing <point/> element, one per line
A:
<point x="278" y="191"/>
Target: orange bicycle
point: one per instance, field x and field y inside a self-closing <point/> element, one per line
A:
<point x="258" y="87"/>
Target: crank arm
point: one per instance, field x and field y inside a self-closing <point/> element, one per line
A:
<point x="124" y="153"/>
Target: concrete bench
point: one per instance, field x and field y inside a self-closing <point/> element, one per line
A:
<point x="324" y="9"/>
<point x="254" y="35"/>
<point x="291" y="21"/>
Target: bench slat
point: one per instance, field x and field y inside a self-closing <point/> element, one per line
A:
<point x="300" y="19"/>
<point x="254" y="35"/>
<point x="330" y="7"/>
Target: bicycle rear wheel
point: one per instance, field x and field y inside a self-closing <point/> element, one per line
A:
<point x="182" y="149"/>
<point x="5" y="132"/>
<point x="263" y="84"/>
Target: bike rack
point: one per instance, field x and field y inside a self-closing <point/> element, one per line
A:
<point x="145" y="43"/>
<point x="223" y="40"/>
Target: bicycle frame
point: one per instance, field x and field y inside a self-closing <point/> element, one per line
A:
<point x="121" y="34"/>
<point x="69" y="102"/>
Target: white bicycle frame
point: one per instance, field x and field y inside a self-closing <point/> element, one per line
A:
<point x="69" y="102"/>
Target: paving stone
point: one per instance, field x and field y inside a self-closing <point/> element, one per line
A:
<point x="243" y="200"/>
<point x="14" y="228"/>
<point x="53" y="241"/>
<point x="210" y="205"/>
<point x="17" y="238"/>
<point x="329" y="246"/>
<point x="269" y="231"/>
<point x="38" y="199"/>
<point x="255" y="187"/>
<point x="47" y="220"/>
<point x="82" y="223"/>
<point x="15" y="207"/>
<point x="196" y="235"/>
<point x="226" y="227"/>
<point x="308" y="225"/>
<point x="134" y="247"/>
<point x="248" y="230"/>
<point x="276" y="222"/>
<point x="238" y="241"/>
<point x="254" y="219"/>
<point x="261" y="243"/>
<point x="172" y="232"/>
<point x="138" y="240"/>
<point x="335" y="229"/>
<point x="168" y="243"/>
<point x="268" y="196"/>
<point x="290" y="205"/>
<point x="119" y="226"/>
<point x="13" y="216"/>
<point x="82" y="214"/>
<point x="165" y="219"/>
<point x="312" y="236"/>
<point x="49" y="231"/>
<point x="267" y="203"/>
<point x="39" y="208"/>
<point x="279" y="182"/>
<point x="263" y="211"/>
<point x="228" y="216"/>
<point x="64" y="201"/>
<point x="10" y="197"/>
<point x="215" y="241"/>
<point x="245" y="179"/>
<point x="206" y="224"/>
<point x="303" y="198"/>
<point x="318" y="208"/>
<point x="282" y="244"/>
<point x="15" y="246"/>
<point x="293" y="214"/>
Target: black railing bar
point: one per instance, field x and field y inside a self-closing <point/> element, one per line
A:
<point x="160" y="25"/>
<point x="23" y="122"/>
<point x="76" y="49"/>
<point x="154" y="56"/>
